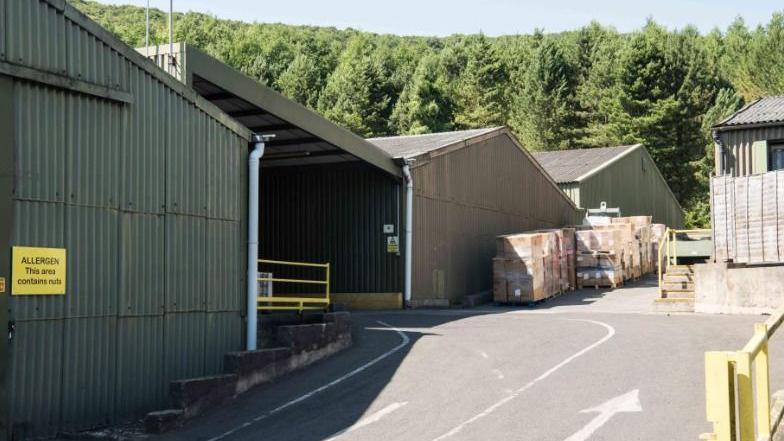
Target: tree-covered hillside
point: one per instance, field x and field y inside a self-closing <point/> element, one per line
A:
<point x="586" y="88"/>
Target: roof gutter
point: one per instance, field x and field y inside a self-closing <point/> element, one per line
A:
<point x="608" y="163"/>
<point x="728" y="128"/>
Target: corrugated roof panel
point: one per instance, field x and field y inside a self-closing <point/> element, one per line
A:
<point x="141" y="384"/>
<point x="39" y="35"/>
<point x="224" y="334"/>
<point x="92" y="60"/>
<point x="93" y="251"/>
<point x="184" y="336"/>
<point x="769" y="109"/>
<point x="40" y="148"/>
<point x="89" y="353"/>
<point x="36" y="378"/>
<point x="142" y="274"/>
<point x="224" y="258"/>
<point x="185" y="263"/>
<point x="569" y="165"/>
<point x="47" y="231"/>
<point x="144" y="161"/>
<point x="94" y="151"/>
<point x="413" y="145"/>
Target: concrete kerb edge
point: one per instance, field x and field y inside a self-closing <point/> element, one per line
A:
<point x="243" y="370"/>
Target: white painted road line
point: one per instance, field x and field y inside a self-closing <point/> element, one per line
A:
<point x="626" y="403"/>
<point x="374" y="418"/>
<point x="457" y="429"/>
<point x="404" y="341"/>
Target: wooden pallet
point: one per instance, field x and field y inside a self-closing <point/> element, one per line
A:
<point x="597" y="285"/>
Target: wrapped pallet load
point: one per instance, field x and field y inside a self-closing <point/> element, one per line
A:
<point x="641" y="227"/>
<point x="527" y="267"/>
<point x="518" y="268"/>
<point x="627" y="247"/>
<point x="657" y="234"/>
<point x="599" y="259"/>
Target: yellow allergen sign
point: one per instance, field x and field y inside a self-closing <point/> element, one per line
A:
<point x="38" y="271"/>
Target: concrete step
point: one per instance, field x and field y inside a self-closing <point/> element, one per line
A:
<point x="680" y="269"/>
<point x="677" y="294"/>
<point x="677" y="286"/>
<point x="676" y="278"/>
<point x="673" y="305"/>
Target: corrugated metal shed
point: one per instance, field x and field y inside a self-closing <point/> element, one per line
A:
<point x="138" y="177"/>
<point x="623" y="176"/>
<point x="471" y="186"/>
<point x="761" y="120"/>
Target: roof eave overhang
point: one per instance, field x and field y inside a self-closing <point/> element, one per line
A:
<point x="730" y="127"/>
<point x="237" y="83"/>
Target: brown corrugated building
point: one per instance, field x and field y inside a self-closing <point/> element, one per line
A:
<point x="469" y="187"/>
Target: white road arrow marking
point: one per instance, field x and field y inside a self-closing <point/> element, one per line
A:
<point x="626" y="403"/>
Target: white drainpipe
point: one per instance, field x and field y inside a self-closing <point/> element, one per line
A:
<point x="253" y="238"/>
<point x="408" y="231"/>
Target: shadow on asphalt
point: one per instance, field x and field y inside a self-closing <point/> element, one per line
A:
<point x="347" y="386"/>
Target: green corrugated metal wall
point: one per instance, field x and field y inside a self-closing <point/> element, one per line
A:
<point x="145" y="196"/>
<point x="333" y="213"/>
<point x="634" y="184"/>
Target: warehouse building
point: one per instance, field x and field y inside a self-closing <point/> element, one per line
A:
<point x="469" y="187"/>
<point x="121" y="183"/>
<point x="123" y="219"/>
<point x="327" y="195"/>
<point x="624" y="177"/>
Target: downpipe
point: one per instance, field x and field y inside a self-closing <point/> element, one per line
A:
<point x="408" y="231"/>
<point x="254" y="161"/>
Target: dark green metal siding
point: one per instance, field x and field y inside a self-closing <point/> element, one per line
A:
<point x="333" y="213"/>
<point x="7" y="215"/>
<point x="147" y="198"/>
<point x="634" y="184"/>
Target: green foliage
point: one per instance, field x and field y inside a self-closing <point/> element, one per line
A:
<point x="357" y="91"/>
<point x="586" y="88"/>
<point x="543" y="105"/>
<point x="480" y="87"/>
<point x="424" y="106"/>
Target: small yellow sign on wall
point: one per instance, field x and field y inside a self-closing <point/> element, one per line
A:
<point x="38" y="271"/>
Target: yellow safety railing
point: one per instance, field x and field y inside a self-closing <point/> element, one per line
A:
<point x="295" y="302"/>
<point x="664" y="251"/>
<point x="738" y="388"/>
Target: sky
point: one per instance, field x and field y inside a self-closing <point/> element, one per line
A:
<point x="493" y="17"/>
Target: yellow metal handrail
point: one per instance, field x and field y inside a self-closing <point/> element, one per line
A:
<point x="663" y="244"/>
<point x="295" y="302"/>
<point x="737" y="386"/>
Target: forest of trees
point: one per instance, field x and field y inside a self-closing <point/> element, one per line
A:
<point x="590" y="87"/>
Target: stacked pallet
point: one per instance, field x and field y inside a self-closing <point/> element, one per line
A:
<point x="599" y="259"/>
<point x="641" y="247"/>
<point x="531" y="267"/>
<point x="657" y="233"/>
<point x="569" y="257"/>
